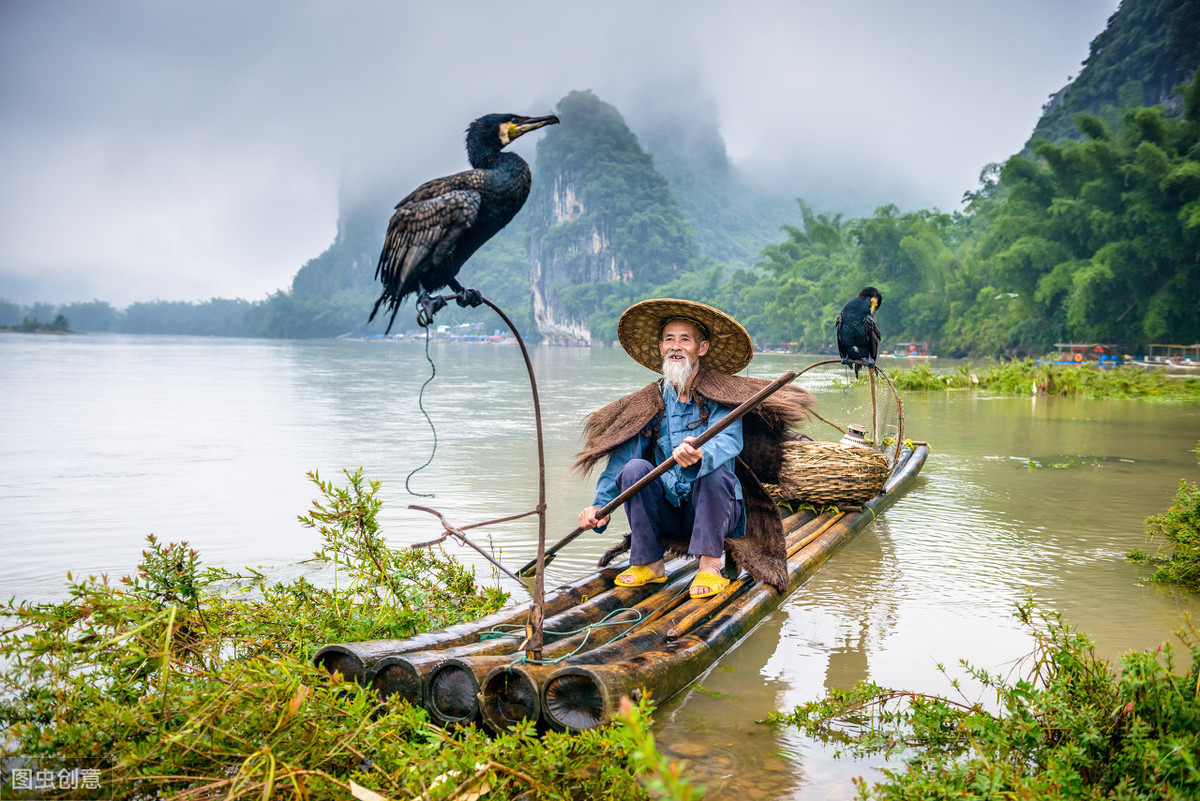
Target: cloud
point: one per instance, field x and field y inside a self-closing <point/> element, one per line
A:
<point x="189" y="150"/>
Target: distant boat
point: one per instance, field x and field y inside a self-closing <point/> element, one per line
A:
<point x="909" y="350"/>
<point x="1171" y="357"/>
<point x="1092" y="354"/>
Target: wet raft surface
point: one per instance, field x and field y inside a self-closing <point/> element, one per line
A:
<point x="650" y="639"/>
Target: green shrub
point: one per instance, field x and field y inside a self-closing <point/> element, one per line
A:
<point x="199" y="683"/>
<point x="1180" y="527"/>
<point x="1064" y="727"/>
<point x="1028" y="377"/>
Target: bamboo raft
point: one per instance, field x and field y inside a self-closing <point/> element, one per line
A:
<point x="462" y="675"/>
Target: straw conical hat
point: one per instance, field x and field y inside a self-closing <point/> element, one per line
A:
<point x="640" y="328"/>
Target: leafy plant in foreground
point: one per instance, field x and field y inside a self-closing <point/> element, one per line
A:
<point x="199" y="683"/>
<point x="1066" y="727"/>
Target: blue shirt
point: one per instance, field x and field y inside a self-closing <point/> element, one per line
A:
<point x="720" y="451"/>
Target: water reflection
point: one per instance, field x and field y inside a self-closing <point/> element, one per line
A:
<point x="712" y="725"/>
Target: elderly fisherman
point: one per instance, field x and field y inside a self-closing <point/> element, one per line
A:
<point x="712" y="500"/>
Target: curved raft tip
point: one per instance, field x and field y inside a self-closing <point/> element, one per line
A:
<point x="574" y="699"/>
<point x="452" y="693"/>
<point x="510" y="695"/>
<point x="394" y="677"/>
<point x="339" y="659"/>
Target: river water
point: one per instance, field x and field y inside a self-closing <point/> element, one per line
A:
<point x="105" y="439"/>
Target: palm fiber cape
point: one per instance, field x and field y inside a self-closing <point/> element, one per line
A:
<point x="761" y="551"/>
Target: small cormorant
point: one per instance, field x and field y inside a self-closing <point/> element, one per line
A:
<point x="858" y="336"/>
<point x="436" y="228"/>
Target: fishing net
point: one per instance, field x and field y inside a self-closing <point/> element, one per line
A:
<point x="833" y="468"/>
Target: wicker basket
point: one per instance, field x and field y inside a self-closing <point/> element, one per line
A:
<point x="830" y="473"/>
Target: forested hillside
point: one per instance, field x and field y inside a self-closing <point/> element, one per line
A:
<point x="1148" y="48"/>
<point x="605" y="226"/>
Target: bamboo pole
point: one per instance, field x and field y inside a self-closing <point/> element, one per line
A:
<point x="454" y="686"/>
<point x="355" y="660"/>
<point x="404" y="673"/>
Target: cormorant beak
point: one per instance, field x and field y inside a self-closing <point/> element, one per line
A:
<point x="528" y="124"/>
<point x="874" y="305"/>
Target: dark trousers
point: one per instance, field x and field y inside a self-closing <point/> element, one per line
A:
<point x="711" y="513"/>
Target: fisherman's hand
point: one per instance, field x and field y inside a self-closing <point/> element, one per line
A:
<point x="685" y="455"/>
<point x="589" y="521"/>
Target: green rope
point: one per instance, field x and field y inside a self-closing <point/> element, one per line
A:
<point x="514" y="630"/>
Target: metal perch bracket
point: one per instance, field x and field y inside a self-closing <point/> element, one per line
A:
<point x="457" y="533"/>
<point x="430" y="305"/>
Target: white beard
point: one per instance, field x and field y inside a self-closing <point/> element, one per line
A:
<point x="677" y="373"/>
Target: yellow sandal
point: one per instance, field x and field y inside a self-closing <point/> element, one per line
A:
<point x="707" y="584"/>
<point x="638" y="575"/>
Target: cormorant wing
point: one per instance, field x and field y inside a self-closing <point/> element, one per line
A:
<point x="841" y="342"/>
<point x="468" y="179"/>
<point x="421" y="235"/>
<point x="875" y="335"/>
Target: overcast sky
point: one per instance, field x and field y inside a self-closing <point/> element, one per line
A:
<point x="195" y="149"/>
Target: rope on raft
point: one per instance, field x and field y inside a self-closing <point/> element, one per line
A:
<point x="514" y="630"/>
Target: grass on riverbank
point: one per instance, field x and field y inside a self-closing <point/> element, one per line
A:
<point x="198" y="683"/>
<point x="1028" y="377"/>
<point x="1066" y="726"/>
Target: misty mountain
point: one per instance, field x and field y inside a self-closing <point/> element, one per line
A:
<point x="661" y="199"/>
<point x="604" y="223"/>
<point x="1148" y="48"/>
<point x="734" y="216"/>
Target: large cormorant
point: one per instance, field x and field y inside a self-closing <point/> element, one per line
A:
<point x="436" y="228"/>
<point x="858" y="336"/>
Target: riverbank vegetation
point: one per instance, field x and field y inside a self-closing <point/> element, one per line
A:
<point x="31" y="325"/>
<point x="1064" y="725"/>
<point x="1028" y="377"/>
<point x="194" y="682"/>
<point x="1178" y="561"/>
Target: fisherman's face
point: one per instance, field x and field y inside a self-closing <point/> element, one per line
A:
<point x="681" y="343"/>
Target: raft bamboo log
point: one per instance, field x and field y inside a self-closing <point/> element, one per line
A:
<point x="354" y="660"/>
<point x="583" y="694"/>
<point x="716" y="428"/>
<point x="793" y="549"/>
<point x="452" y="688"/>
<point x="706" y="607"/>
<point x="512" y="693"/>
<point x="403" y="673"/>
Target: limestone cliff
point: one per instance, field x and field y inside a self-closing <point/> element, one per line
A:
<point x="603" y="223"/>
<point x="575" y="250"/>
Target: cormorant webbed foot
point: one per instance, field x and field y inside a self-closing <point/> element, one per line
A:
<point x="429" y="305"/>
<point x="469" y="297"/>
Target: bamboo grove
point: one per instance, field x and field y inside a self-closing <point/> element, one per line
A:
<point x="1095" y="240"/>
